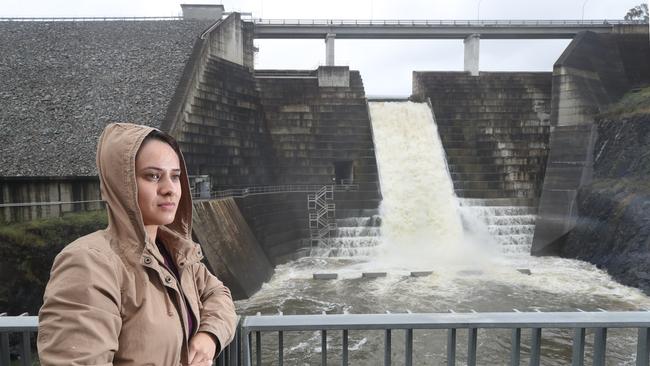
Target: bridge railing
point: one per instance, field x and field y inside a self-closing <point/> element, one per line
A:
<point x="600" y="322"/>
<point x="446" y="22"/>
<point x="240" y="351"/>
<point x="26" y="327"/>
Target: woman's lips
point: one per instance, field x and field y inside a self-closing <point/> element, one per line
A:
<point x="167" y="205"/>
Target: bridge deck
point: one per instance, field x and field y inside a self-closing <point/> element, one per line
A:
<point x="430" y="29"/>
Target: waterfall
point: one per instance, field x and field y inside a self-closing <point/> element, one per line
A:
<point x="510" y="227"/>
<point x="420" y="219"/>
<point x="355" y="236"/>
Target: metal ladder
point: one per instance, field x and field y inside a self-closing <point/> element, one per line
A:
<point x="322" y="215"/>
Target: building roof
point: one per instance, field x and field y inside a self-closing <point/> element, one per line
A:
<point x="62" y="82"/>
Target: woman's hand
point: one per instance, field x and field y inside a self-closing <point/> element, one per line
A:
<point x="202" y="349"/>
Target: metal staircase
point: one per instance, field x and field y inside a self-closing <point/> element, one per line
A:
<point x="322" y="215"/>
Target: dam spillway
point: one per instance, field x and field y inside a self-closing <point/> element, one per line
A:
<point x="487" y="281"/>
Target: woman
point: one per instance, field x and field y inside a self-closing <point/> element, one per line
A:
<point x="136" y="293"/>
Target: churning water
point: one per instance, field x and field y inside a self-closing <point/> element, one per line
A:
<point x="473" y="248"/>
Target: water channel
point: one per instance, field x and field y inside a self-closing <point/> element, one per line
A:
<point x="477" y="251"/>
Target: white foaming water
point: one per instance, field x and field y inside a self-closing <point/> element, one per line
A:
<point x="420" y="220"/>
<point x="354" y="237"/>
<point x="509" y="228"/>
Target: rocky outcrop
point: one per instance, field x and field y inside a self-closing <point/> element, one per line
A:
<point x="613" y="225"/>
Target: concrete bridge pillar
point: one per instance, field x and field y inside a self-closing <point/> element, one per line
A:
<point x="329" y="49"/>
<point x="472" y="46"/>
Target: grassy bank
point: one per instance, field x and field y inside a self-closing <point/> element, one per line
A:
<point x="27" y="251"/>
<point x="635" y="102"/>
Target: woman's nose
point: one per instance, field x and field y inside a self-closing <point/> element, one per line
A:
<point x="166" y="186"/>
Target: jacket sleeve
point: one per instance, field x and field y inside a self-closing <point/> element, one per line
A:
<point x="218" y="315"/>
<point x="80" y="322"/>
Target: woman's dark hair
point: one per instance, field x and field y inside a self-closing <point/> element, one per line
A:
<point x="160" y="136"/>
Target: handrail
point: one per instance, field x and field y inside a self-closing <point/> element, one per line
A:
<point x="579" y="321"/>
<point x="235" y="193"/>
<point x="84" y="19"/>
<point x="452" y="22"/>
<point x="28" y="326"/>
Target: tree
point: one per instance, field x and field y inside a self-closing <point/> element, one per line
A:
<point x="639" y="12"/>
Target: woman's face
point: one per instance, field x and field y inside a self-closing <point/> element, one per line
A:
<point x="158" y="173"/>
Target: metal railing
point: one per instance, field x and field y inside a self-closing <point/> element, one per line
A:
<point x="240" y="351"/>
<point x="600" y="322"/>
<point x="26" y="326"/>
<point x="235" y="193"/>
<point x="449" y="22"/>
<point x="247" y="15"/>
<point x="291" y="188"/>
<point x="84" y="19"/>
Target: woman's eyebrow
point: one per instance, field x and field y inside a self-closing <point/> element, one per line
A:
<point x="157" y="168"/>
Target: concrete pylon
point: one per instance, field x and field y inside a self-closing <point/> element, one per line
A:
<point x="329" y="49"/>
<point x="472" y="47"/>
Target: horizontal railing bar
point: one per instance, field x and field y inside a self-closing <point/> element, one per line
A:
<point x="18" y="324"/>
<point x="632" y="319"/>
<point x="425" y="22"/>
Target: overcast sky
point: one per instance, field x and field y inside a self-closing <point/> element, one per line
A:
<point x="385" y="66"/>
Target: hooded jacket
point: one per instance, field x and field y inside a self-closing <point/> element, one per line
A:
<point x="110" y="299"/>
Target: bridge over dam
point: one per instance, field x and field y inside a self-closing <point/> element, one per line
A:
<point x="277" y="157"/>
<point x="471" y="31"/>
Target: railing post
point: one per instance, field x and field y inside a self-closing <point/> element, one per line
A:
<point x="280" y="348"/>
<point x="323" y="345"/>
<point x="344" y="356"/>
<point x="408" y="350"/>
<point x="600" y="346"/>
<point x="258" y="348"/>
<point x="451" y="347"/>
<point x="4" y="349"/>
<point x="471" y="346"/>
<point x="515" y="355"/>
<point x="246" y="345"/>
<point x="535" y="346"/>
<point x="578" y="353"/>
<point x="642" y="348"/>
<point x="387" y="348"/>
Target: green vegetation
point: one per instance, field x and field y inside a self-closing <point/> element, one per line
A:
<point x="634" y="102"/>
<point x="27" y="251"/>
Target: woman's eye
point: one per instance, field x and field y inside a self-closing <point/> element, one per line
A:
<point x="154" y="176"/>
<point x="176" y="177"/>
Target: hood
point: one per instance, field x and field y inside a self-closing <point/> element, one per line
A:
<point x="116" y="151"/>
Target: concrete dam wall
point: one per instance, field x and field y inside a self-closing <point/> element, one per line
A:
<point x="593" y="205"/>
<point x="494" y="128"/>
<point x="589" y="76"/>
<point x="230" y="247"/>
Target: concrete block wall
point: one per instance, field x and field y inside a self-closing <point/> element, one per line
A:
<point x="494" y="128"/>
<point x="223" y="133"/>
<point x="313" y="127"/>
<point x="47" y="189"/>
<point x="280" y="223"/>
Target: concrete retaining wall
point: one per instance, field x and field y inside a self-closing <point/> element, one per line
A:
<point x="56" y="189"/>
<point x="590" y="74"/>
<point x="230" y="247"/>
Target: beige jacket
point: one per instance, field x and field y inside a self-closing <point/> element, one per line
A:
<point x="110" y="300"/>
